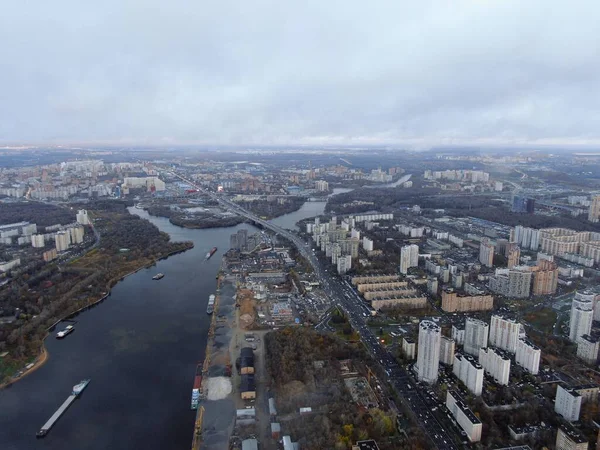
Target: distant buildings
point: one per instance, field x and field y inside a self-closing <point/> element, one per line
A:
<point x="5" y="266"/>
<point x="581" y="316"/>
<point x="476" y="336"/>
<point x="545" y="278"/>
<point x="62" y="239"/>
<point x="513" y="253"/>
<point x="567" y="403"/>
<point x="594" y="211"/>
<point x="344" y="264"/>
<point x="38" y="241"/>
<point x="82" y="217"/>
<point x="428" y="354"/>
<point x="151" y="184"/>
<point x="513" y="283"/>
<point x="409" y="257"/>
<point x="465" y="418"/>
<point x="367" y="244"/>
<point x="522" y="204"/>
<point x="486" y="253"/>
<point x="321" y="185"/>
<point x="525" y="237"/>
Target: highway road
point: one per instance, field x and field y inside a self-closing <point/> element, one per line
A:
<point x="357" y="312"/>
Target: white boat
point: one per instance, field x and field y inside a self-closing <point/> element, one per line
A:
<point x="78" y="388"/>
<point x="61" y="334"/>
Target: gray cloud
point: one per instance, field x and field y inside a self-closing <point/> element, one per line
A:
<point x="311" y="72"/>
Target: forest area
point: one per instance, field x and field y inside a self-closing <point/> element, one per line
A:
<point x="304" y="367"/>
<point x="41" y="214"/>
<point x="47" y="292"/>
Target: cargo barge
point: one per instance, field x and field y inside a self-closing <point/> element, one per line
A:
<point x="68" y="329"/>
<point x="77" y="390"/>
<point x="212" y="252"/>
<point x="211" y="304"/>
<point x="197" y="386"/>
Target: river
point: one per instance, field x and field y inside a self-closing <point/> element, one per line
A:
<point x="140" y="348"/>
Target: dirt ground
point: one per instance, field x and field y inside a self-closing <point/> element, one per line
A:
<point x="262" y="428"/>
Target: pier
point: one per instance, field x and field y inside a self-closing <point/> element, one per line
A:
<point x="197" y="437"/>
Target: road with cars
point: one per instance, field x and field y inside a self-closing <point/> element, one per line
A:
<point x="357" y="312"/>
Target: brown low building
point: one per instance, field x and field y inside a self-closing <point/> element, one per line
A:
<point x="455" y="302"/>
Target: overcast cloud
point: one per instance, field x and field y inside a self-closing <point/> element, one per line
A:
<point x="300" y="72"/>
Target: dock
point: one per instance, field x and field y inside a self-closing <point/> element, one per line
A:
<point x="59" y="412"/>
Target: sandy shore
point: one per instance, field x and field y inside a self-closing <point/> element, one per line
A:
<point x="39" y="362"/>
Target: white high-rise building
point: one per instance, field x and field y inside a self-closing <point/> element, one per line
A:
<point x="582" y="316"/>
<point x="486" y="253"/>
<point x="82" y="217"/>
<point x="447" y="350"/>
<point x="504" y="333"/>
<point x="321" y="185"/>
<point x="458" y="333"/>
<point x="367" y="244"/>
<point x="76" y="234"/>
<point x="428" y="351"/>
<point x="344" y="264"/>
<point x="567" y="403"/>
<point x="496" y="363"/>
<point x="38" y="241"/>
<point x="468" y="421"/>
<point x="409" y="257"/>
<point x="587" y="349"/>
<point x="476" y="336"/>
<point x="528" y="356"/>
<point x="469" y="371"/>
<point x="62" y="241"/>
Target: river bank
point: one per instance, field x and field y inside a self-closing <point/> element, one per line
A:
<point x="43" y="355"/>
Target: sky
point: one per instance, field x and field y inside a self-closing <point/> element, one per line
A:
<point x="407" y="73"/>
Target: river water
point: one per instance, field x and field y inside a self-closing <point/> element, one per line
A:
<point x="140" y="348"/>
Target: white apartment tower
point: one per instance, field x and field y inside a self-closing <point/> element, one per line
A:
<point x="594" y="211"/>
<point x="504" y="333"/>
<point x="428" y="351"/>
<point x="567" y="403"/>
<point x="476" y="336"/>
<point x="496" y="363"/>
<point x="587" y="349"/>
<point x="469" y="371"/>
<point x="38" y="241"/>
<point x="528" y="356"/>
<point x="82" y="217"/>
<point x="582" y="316"/>
<point x="409" y="257"/>
<point x="447" y="349"/>
<point x="486" y="253"/>
<point x="62" y="241"/>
